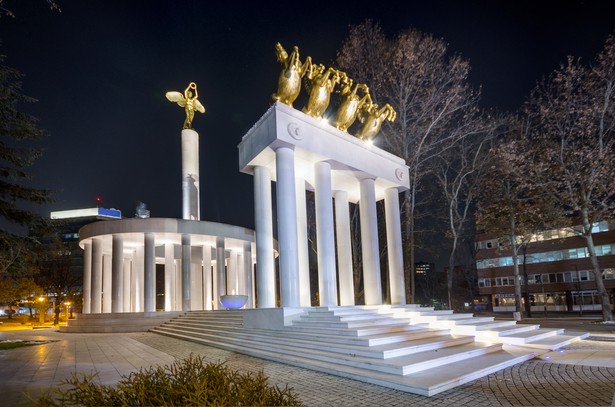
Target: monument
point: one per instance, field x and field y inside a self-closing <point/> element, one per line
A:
<point x="300" y="151"/>
<point x="202" y="260"/>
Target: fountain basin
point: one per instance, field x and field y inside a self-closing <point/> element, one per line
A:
<point x="233" y="301"/>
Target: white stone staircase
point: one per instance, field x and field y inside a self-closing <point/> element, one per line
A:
<point x="409" y="348"/>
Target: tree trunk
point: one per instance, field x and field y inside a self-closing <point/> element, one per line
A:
<point x="528" y="305"/>
<point x="607" y="313"/>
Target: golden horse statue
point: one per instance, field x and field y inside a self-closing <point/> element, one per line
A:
<point x="322" y="84"/>
<point x="372" y="118"/>
<point x="351" y="103"/>
<point x="289" y="81"/>
<point x="189" y="101"/>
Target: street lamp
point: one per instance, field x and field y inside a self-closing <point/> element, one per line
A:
<point x="579" y="290"/>
<point x="41" y="314"/>
<point x="67" y="303"/>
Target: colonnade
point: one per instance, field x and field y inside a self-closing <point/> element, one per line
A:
<point x="299" y="153"/>
<point x="120" y="270"/>
<point x="334" y="255"/>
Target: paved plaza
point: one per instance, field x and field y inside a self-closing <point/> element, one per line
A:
<point x="581" y="374"/>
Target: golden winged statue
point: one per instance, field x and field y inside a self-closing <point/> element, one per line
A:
<point x="189" y="101"/>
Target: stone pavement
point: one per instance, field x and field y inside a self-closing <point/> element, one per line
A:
<point x="575" y="376"/>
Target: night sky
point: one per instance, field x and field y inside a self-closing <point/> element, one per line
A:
<point x="100" y="69"/>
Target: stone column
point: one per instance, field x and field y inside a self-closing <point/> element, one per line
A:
<point x="127" y="286"/>
<point x="190" y="175"/>
<point x="263" y="221"/>
<point x="232" y="282"/>
<point x="241" y="275"/>
<point x="287" y="227"/>
<point x="186" y="277"/>
<point x="117" y="267"/>
<point x="302" y="244"/>
<point x="394" y="247"/>
<point x="178" y="282"/>
<point x="325" y="235"/>
<point x="369" y="243"/>
<point x="97" y="272"/>
<point x="169" y="277"/>
<point x="196" y="280"/>
<point x="207" y="279"/>
<point x="149" y="266"/>
<point x="139" y="277"/>
<point x="248" y="270"/>
<point x="220" y="270"/>
<point x="344" y="248"/>
<point x="87" y="278"/>
<point x="107" y="297"/>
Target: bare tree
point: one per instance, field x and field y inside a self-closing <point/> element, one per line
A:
<point x="508" y="207"/>
<point x="429" y="89"/>
<point x="458" y="172"/>
<point x="572" y="125"/>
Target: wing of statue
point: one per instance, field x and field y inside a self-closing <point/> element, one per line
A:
<point x="176" y="97"/>
<point x="198" y="106"/>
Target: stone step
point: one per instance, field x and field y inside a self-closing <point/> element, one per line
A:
<point x="426" y="382"/>
<point x="257" y="338"/>
<point x="556" y="341"/>
<point x="476" y="326"/>
<point x="357" y="332"/>
<point x="414" y="333"/>
<point x="498" y="331"/>
<point x="526" y="337"/>
<point x="361" y="323"/>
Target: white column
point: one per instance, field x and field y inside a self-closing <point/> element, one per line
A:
<point x="190" y="175"/>
<point x="127" y="284"/>
<point x="169" y="277"/>
<point x="97" y="273"/>
<point x="344" y="248"/>
<point x="302" y="244"/>
<point x="178" y="283"/>
<point x="149" y="277"/>
<point x="248" y="270"/>
<point x="325" y="235"/>
<point x="107" y="290"/>
<point x="220" y="270"/>
<point x="287" y="227"/>
<point x="87" y="278"/>
<point x="263" y="221"/>
<point x="214" y="285"/>
<point x="117" y="267"/>
<point x="232" y="283"/>
<point x="394" y="246"/>
<point x="207" y="278"/>
<point x="196" y="279"/>
<point x="186" y="277"/>
<point x="369" y="243"/>
<point x="241" y="273"/>
<point x="138" y="288"/>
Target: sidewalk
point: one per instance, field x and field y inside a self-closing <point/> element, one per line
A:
<point x="579" y="377"/>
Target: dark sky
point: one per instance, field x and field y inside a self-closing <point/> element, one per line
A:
<point x="100" y="69"/>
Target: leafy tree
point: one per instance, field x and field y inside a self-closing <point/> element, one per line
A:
<point x="572" y="128"/>
<point x="429" y="89"/>
<point x="17" y="131"/>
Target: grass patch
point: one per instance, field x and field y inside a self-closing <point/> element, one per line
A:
<point x="187" y="382"/>
<point x="20" y="343"/>
<point x="13" y="345"/>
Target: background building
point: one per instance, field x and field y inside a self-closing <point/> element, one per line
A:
<point x="560" y="276"/>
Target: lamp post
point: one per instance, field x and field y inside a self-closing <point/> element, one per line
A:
<point x="579" y="290"/>
<point x="41" y="313"/>
<point x="67" y="304"/>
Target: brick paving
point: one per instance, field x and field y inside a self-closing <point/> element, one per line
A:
<point x="532" y="383"/>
